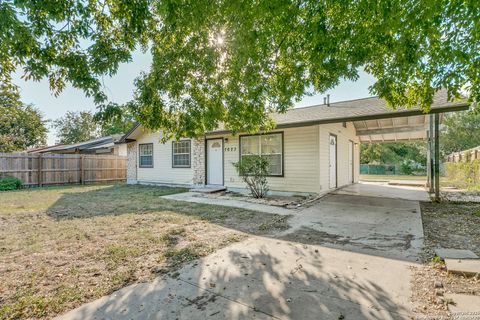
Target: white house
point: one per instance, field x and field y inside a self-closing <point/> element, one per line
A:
<point x="312" y="150"/>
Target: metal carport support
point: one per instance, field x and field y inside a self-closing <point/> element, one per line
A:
<point x="434" y="155"/>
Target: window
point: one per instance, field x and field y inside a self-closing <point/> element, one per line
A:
<point x="145" y="155"/>
<point x="269" y="146"/>
<point x="181" y="154"/>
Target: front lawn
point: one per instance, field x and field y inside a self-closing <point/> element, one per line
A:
<point x="64" y="246"/>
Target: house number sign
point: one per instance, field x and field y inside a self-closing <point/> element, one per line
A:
<point x="230" y="148"/>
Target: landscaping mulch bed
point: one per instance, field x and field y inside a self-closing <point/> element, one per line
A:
<point x="65" y="246"/>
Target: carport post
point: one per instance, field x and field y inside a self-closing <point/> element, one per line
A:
<point x="430" y="154"/>
<point x="437" y="159"/>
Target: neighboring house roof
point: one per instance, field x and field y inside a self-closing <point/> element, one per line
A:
<point x="94" y="144"/>
<point x="352" y="110"/>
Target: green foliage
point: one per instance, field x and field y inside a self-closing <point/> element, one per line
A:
<point x="393" y="153"/>
<point x="10" y="183"/>
<point x="76" y="127"/>
<point x="465" y="175"/>
<point x="114" y="119"/>
<point x="461" y="131"/>
<point x="254" y="171"/>
<point x="235" y="62"/>
<point x="21" y="126"/>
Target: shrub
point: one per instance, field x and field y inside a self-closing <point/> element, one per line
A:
<point x="254" y="170"/>
<point x="463" y="174"/>
<point x="10" y="183"/>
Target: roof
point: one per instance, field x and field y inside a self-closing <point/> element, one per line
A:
<point x="98" y="143"/>
<point x="352" y="110"/>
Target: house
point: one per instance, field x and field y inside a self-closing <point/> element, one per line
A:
<point x="312" y="149"/>
<point x="103" y="145"/>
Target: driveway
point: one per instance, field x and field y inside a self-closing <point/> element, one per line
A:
<point x="348" y="256"/>
<point x="263" y="278"/>
<point x="370" y="218"/>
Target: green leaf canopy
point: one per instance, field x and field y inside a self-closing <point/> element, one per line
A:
<point x="233" y="63"/>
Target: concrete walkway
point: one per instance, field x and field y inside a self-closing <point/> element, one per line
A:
<point x="263" y="278"/>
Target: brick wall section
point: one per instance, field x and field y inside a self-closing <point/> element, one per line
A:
<point x="198" y="161"/>
<point x="132" y="162"/>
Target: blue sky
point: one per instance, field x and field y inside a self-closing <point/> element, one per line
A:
<point x="120" y="89"/>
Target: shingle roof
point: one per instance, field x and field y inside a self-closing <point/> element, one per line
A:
<point x="351" y="110"/>
<point x="359" y="109"/>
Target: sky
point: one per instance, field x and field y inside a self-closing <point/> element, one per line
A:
<point x="120" y="87"/>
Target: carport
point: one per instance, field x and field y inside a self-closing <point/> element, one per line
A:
<point x="403" y="125"/>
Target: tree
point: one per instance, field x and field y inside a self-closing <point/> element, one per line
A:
<point x="460" y="131"/>
<point x="76" y="127"/>
<point x="234" y="62"/>
<point x="393" y="152"/>
<point x="114" y="119"/>
<point x="21" y="126"/>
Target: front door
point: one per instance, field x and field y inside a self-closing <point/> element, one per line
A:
<point x="333" y="161"/>
<point x="215" y="161"/>
<point x="350" y="162"/>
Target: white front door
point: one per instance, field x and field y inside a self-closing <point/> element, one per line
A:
<point x="333" y="161"/>
<point x="215" y="161"/>
<point x="350" y="162"/>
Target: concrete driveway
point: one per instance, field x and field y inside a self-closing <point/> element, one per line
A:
<point x="370" y="218"/>
<point x="365" y="275"/>
<point x="263" y="278"/>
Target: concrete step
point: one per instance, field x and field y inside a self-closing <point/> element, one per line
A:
<point x="446" y="253"/>
<point x="463" y="303"/>
<point x="463" y="266"/>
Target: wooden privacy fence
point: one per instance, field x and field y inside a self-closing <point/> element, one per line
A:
<point x="36" y="169"/>
<point x="464" y="156"/>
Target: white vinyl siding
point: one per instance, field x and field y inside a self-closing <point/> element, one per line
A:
<point x="162" y="171"/>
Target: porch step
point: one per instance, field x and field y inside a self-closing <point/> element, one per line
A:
<point x="463" y="266"/>
<point x="463" y="303"/>
<point x="209" y="189"/>
<point x="446" y="253"/>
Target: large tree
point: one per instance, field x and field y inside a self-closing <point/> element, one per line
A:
<point x="21" y="126"/>
<point x="234" y="62"/>
<point x="76" y="127"/>
<point x="460" y="131"/>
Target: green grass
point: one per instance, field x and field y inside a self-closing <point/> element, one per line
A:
<point x="64" y="246"/>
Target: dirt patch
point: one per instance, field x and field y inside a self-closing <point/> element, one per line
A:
<point x="430" y="283"/>
<point x="61" y="247"/>
<point x="447" y="225"/>
<point x="451" y="225"/>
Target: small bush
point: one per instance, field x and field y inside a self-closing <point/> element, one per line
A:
<point x="254" y="170"/>
<point x="463" y="174"/>
<point x="10" y="183"/>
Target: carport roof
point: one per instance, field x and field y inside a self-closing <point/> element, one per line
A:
<point x="373" y="119"/>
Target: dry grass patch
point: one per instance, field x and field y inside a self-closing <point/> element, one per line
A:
<point x="61" y="247"/>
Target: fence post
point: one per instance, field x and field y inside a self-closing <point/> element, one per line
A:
<point x="82" y="169"/>
<point x="40" y="167"/>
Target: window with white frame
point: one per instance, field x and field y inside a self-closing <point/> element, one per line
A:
<point x="181" y="154"/>
<point x="269" y="146"/>
<point x="145" y="152"/>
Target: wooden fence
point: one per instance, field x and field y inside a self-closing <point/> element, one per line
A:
<point x="36" y="169"/>
<point x="464" y="156"/>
